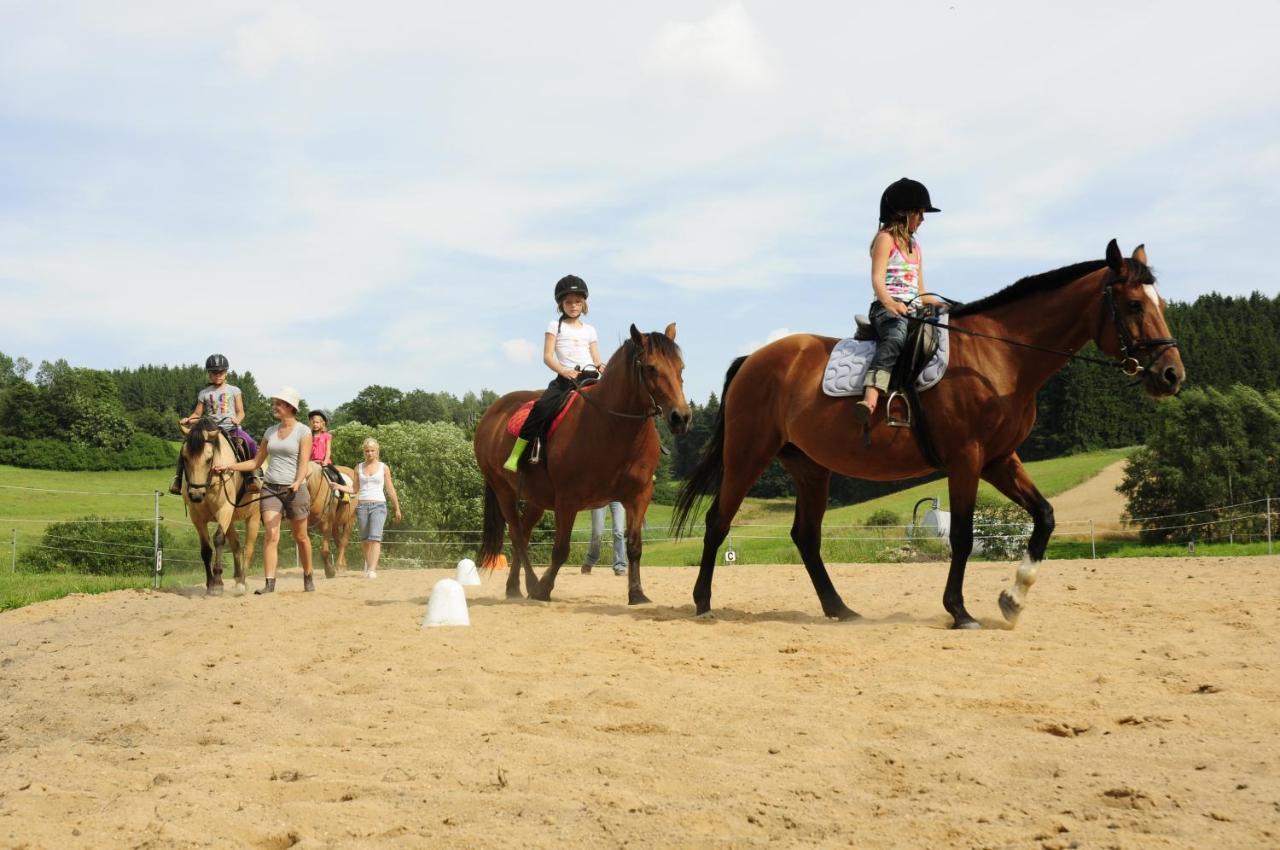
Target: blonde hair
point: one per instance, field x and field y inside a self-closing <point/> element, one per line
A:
<point x="370" y="441"/>
<point x="897" y="230"/>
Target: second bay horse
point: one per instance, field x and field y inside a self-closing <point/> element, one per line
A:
<point x="1003" y="349"/>
<point x="605" y="450"/>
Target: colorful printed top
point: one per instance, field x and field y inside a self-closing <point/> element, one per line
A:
<point x="220" y="403"/>
<point x="901" y="276"/>
<point x="320" y="446"/>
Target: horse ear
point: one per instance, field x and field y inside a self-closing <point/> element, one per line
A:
<point x="1140" y="254"/>
<point x="671" y="331"/>
<point x="1114" y="261"/>
<point x="636" y="336"/>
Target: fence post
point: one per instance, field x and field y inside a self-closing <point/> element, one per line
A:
<point x="1093" y="546"/>
<point x="155" y="546"/>
<point x="1268" y="525"/>
<point x="13" y="563"/>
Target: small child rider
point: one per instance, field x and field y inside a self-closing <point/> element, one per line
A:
<point x="321" y="445"/>
<point x="224" y="404"/>
<point x="570" y="346"/>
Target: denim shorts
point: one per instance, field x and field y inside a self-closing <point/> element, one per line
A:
<point x="370" y="517"/>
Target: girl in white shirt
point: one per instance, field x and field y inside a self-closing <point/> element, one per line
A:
<point x="570" y="346"/>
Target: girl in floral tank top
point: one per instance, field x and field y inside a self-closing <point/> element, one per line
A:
<point x="897" y="278"/>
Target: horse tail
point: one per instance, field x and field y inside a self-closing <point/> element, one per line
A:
<point x="493" y="528"/>
<point x="707" y="475"/>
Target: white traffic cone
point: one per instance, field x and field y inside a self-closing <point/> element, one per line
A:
<point x="468" y="575"/>
<point x="447" y="606"/>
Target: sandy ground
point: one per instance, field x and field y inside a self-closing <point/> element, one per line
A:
<point x="1095" y="499"/>
<point x="1136" y="705"/>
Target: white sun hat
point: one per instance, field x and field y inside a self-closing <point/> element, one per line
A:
<point x="289" y="396"/>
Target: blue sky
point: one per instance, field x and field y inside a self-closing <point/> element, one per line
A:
<point x="338" y="194"/>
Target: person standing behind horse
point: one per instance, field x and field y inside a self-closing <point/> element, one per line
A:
<point x="569" y="347"/>
<point x="224" y="404"/>
<point x="618" y="515"/>
<point x="374" y="480"/>
<point x="285" y="448"/>
<point x="897" y="278"/>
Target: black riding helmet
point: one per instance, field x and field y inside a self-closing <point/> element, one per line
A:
<point x="216" y="363"/>
<point x="903" y="196"/>
<point x="570" y="284"/>
<point x="320" y="413"/>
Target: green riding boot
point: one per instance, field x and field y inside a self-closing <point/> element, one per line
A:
<point x="513" y="462"/>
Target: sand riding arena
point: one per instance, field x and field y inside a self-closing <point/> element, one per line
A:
<point x="1135" y="705"/>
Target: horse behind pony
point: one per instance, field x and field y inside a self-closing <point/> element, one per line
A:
<point x="1003" y="349"/>
<point x="331" y="517"/>
<point x="605" y="449"/>
<point x="216" y="497"/>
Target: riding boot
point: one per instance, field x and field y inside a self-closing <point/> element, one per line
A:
<point x="269" y="587"/>
<point x="309" y="583"/>
<point x="513" y="462"/>
<point x="176" y="487"/>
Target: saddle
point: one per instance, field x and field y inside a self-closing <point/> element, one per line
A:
<point x="920" y="365"/>
<point x="587" y="379"/>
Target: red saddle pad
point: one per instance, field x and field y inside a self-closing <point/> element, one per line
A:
<point x="517" y="420"/>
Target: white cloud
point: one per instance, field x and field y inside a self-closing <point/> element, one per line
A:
<point x="773" y="336"/>
<point x="285" y="34"/>
<point x="724" y="49"/>
<point x="520" y="350"/>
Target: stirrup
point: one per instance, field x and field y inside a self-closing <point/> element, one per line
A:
<point x="535" y="451"/>
<point x="891" y="420"/>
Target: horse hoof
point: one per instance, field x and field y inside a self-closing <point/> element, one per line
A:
<point x="213" y="590"/>
<point x="1009" y="606"/>
<point x="638" y="598"/>
<point x="241" y="588"/>
<point x="705" y="615"/>
<point x="330" y="572"/>
<point x="967" y="623"/>
<point x="514" y="594"/>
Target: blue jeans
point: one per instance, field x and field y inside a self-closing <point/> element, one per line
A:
<point x="370" y="517"/>
<point x="892" y="330"/>
<point x="619" y="516"/>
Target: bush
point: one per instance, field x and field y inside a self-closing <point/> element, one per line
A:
<point x="884" y="516"/>
<point x="91" y="545"/>
<point x="143" y="452"/>
<point x="1001" y="528"/>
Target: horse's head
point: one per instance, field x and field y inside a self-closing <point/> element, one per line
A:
<point x="660" y="369"/>
<point x="199" y="446"/>
<point x="1132" y="326"/>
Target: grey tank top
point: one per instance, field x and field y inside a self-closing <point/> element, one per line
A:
<point x="282" y="454"/>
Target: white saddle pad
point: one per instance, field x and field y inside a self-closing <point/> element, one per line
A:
<point x="847" y="367"/>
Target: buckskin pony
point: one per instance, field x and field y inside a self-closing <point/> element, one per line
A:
<point x="212" y="497"/>
<point x="978" y="415"/>
<point x="330" y="517"/>
<point x="605" y="449"/>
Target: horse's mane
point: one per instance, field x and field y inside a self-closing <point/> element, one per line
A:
<point x="1046" y="282"/>
<point x="194" y="441"/>
<point x="659" y="342"/>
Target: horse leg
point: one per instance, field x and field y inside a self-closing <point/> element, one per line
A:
<point x="812" y="481"/>
<point x="559" y="553"/>
<point x="962" y="487"/>
<point x="252" y="522"/>
<point x="206" y="554"/>
<point x="1009" y="477"/>
<point x="328" y="528"/>
<point x="234" y="539"/>
<point x="520" y="528"/>
<point x="635" y="545"/>
<point x="213" y="576"/>
<point x="735" y="482"/>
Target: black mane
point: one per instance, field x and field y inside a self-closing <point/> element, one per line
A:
<point x="659" y="342"/>
<point x="1044" y="283"/>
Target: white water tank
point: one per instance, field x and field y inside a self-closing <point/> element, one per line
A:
<point x="934" y="525"/>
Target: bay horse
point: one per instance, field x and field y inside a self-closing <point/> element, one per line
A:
<point x="211" y="497"/>
<point x="1003" y="349"/>
<point x="331" y="517"/>
<point x="605" y="449"/>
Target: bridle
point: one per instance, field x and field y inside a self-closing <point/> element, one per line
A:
<point x="591" y="377"/>
<point x="1130" y="347"/>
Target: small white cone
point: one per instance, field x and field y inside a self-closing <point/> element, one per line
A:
<point x="447" y="606"/>
<point x="468" y="575"/>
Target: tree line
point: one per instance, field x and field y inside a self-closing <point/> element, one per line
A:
<point x="1224" y="340"/>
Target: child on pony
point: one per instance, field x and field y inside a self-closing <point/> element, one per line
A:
<point x="321" y="448"/>
<point x="897" y="278"/>
<point x="224" y="404"/>
<point x="570" y="346"/>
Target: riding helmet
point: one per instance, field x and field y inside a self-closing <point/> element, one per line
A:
<point x="216" y="363"/>
<point x="903" y="196"/>
<point x="570" y="284"/>
<point x="320" y="413"/>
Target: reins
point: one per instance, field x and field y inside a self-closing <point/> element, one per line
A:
<point x="1128" y="364"/>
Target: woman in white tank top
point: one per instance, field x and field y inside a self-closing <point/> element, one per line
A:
<point x="372" y="487"/>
